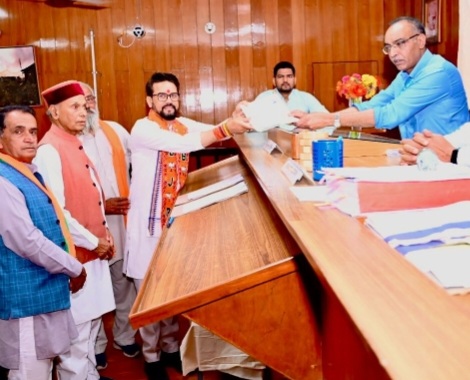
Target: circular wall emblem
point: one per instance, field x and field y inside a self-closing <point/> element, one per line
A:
<point x="210" y="27"/>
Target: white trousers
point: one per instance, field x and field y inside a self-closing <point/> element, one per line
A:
<point x="30" y="366"/>
<point x="124" y="296"/>
<point x="158" y="336"/>
<point x="80" y="362"/>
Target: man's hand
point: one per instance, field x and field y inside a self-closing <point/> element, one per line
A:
<point x="77" y="283"/>
<point x="427" y="139"/>
<point x="238" y="125"/>
<point x="238" y="112"/>
<point x="409" y="152"/>
<point x="105" y="249"/>
<point x="117" y="206"/>
<point x="314" y="120"/>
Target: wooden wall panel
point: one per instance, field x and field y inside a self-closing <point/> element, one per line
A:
<point x="325" y="73"/>
<point x="216" y="71"/>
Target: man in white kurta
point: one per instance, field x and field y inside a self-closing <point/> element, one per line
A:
<point x="67" y="112"/>
<point x="106" y="143"/>
<point x="160" y="144"/>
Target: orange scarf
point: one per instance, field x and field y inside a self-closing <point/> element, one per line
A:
<point x="119" y="159"/>
<point x="170" y="174"/>
<point x="23" y="169"/>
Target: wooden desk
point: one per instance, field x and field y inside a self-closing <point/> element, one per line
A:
<point x="363" y="313"/>
<point x="234" y="269"/>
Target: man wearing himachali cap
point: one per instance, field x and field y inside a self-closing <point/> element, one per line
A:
<point x="72" y="177"/>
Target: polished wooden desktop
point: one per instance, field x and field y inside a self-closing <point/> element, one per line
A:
<point x="310" y="292"/>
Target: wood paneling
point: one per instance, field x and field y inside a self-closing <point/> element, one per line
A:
<point x="325" y="73"/>
<point x="216" y="71"/>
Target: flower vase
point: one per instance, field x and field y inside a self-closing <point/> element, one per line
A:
<point x="355" y="132"/>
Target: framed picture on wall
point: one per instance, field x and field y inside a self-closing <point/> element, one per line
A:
<point x="18" y="76"/>
<point x="432" y="20"/>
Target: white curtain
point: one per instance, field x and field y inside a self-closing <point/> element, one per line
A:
<point x="464" y="43"/>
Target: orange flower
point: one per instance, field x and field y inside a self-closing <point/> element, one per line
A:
<point x="357" y="86"/>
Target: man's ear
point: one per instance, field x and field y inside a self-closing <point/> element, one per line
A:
<point x="274" y="82"/>
<point x="149" y="101"/>
<point x="422" y="41"/>
<point x="54" y="112"/>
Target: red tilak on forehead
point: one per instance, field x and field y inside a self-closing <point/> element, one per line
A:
<point x="168" y="91"/>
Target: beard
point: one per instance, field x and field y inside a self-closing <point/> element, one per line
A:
<point x="92" y="119"/>
<point x="168" y="115"/>
<point x="285" y="88"/>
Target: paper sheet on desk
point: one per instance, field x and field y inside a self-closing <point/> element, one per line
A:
<point x="435" y="240"/>
<point x="408" y="228"/>
<point x="445" y="171"/>
<point x="448" y="265"/>
<point x="362" y="190"/>
<point x="210" y="199"/>
<point x="311" y="193"/>
<point x="268" y="112"/>
<point x="184" y="198"/>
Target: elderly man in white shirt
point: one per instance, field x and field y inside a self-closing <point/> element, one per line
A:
<point x="106" y="144"/>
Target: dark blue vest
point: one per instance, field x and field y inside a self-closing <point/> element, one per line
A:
<point x="27" y="289"/>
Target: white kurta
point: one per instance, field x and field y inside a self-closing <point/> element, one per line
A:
<point x="100" y="152"/>
<point x="96" y="297"/>
<point x="461" y="139"/>
<point x="146" y="140"/>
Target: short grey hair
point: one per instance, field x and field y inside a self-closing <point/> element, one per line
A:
<point x="414" y="21"/>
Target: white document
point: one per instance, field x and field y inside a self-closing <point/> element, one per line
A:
<point x="268" y="112"/>
<point x="447" y="224"/>
<point x="311" y="193"/>
<point x="444" y="171"/>
<point x="211" y="198"/>
<point x="184" y="198"/>
<point x="449" y="266"/>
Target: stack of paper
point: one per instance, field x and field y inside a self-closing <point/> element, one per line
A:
<point x="418" y="229"/>
<point x="209" y="195"/>
<point x="436" y="240"/>
<point x="358" y="191"/>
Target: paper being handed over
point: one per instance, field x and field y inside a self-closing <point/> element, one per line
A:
<point x="268" y="112"/>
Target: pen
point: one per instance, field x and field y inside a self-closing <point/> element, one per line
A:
<point x="170" y="222"/>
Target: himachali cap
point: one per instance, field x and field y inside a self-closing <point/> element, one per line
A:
<point x="61" y="92"/>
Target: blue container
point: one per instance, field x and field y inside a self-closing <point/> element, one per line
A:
<point x="326" y="154"/>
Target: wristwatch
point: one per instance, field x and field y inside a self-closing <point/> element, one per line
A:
<point x="453" y="156"/>
<point x="337" y="122"/>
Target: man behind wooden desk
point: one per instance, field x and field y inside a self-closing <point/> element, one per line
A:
<point x="425" y="85"/>
<point x="159" y="145"/>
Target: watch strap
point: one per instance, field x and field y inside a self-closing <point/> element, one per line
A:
<point x="454" y="155"/>
<point x="337" y="121"/>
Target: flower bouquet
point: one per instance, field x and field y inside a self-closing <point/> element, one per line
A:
<point x="355" y="87"/>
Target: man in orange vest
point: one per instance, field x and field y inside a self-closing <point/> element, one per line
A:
<point x="72" y="177"/>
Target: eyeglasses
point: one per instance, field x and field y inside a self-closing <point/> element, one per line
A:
<point x="399" y="44"/>
<point x="162" y="97"/>
<point x="90" y="98"/>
